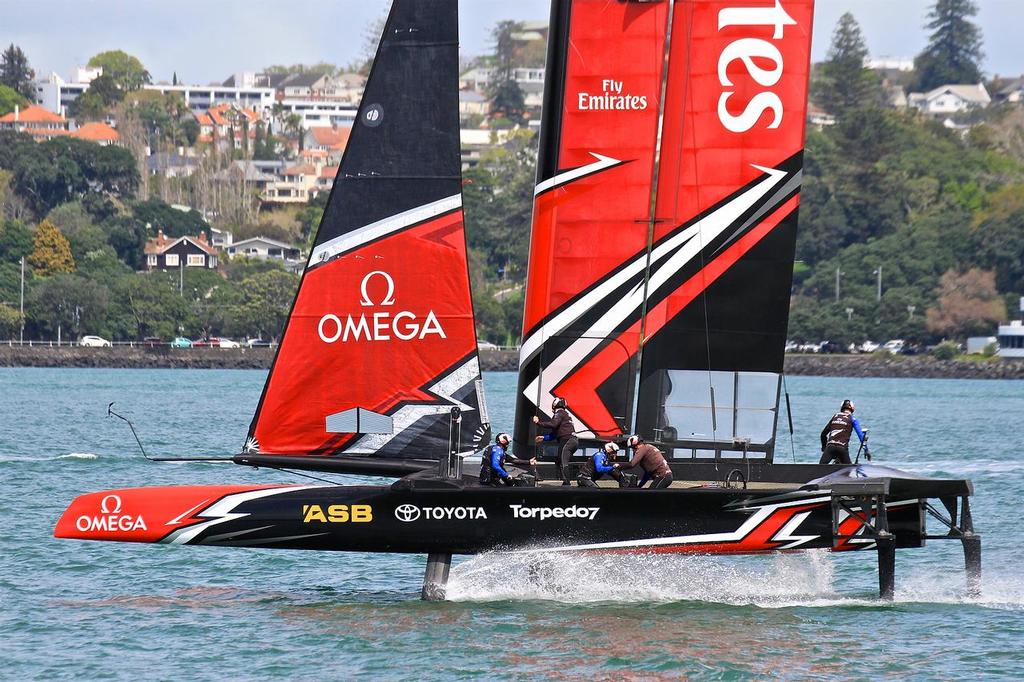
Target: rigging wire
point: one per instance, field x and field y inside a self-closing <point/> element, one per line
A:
<point x="789" y="414"/>
<point x="299" y="473"/>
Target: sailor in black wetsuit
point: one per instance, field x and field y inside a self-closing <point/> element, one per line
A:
<point x="493" y="471"/>
<point x="564" y="432"/>
<point x="598" y="465"/>
<point x="835" y="437"/>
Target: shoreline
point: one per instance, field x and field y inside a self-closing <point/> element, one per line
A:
<point x="122" y="357"/>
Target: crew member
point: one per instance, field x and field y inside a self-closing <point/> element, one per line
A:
<point x="598" y="465"/>
<point x="493" y="470"/>
<point x="564" y="432"/>
<point x="645" y="455"/>
<point x="835" y="437"/>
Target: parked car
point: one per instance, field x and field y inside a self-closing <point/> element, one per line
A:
<point x="181" y="342"/>
<point x="792" y="346"/>
<point x="152" y="341"/>
<point x="257" y="343"/>
<point x="93" y="342"/>
<point x="199" y="343"/>
<point x="894" y="346"/>
<point x="226" y="343"/>
<point x="486" y="345"/>
<point x="829" y="347"/>
<point x="869" y="347"/>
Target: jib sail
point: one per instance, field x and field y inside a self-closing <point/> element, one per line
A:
<point x="381" y="342"/>
<point x="693" y="294"/>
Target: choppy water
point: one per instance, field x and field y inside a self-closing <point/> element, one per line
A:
<point x="106" y="610"/>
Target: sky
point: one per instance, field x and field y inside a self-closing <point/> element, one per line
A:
<point x="208" y="40"/>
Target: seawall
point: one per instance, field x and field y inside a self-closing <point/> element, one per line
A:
<point x="492" y="360"/>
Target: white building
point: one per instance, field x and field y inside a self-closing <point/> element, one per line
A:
<point x="56" y="94"/>
<point x="529" y="80"/>
<point x="318" y="113"/>
<point x="1011" y="340"/>
<point x="950" y="99"/>
<point x="264" y="248"/>
<point x="202" y="97"/>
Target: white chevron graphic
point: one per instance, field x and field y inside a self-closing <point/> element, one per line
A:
<point x="687" y="244"/>
<point x="602" y="163"/>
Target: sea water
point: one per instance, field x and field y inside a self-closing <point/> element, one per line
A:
<point x="90" y="610"/>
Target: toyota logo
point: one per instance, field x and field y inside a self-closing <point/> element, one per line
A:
<point x="407" y="512"/>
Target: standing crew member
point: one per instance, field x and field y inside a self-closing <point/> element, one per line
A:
<point x="656" y="469"/>
<point x="835" y="437"/>
<point x="562" y="430"/>
<point x="599" y="464"/>
<point x="492" y="464"/>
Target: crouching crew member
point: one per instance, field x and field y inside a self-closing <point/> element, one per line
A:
<point x="493" y="470"/>
<point x="598" y="465"/>
<point x="835" y="437"/>
<point x="562" y="430"/>
<point x="652" y="460"/>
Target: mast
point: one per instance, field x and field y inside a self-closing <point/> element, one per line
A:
<point x="380" y="345"/>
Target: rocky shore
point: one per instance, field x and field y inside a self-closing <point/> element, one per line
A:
<point x="493" y="360"/>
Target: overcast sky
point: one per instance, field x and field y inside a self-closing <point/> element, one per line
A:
<point x="208" y="40"/>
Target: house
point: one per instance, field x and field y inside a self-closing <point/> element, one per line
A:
<point x="260" y="175"/>
<point x="530" y="81"/>
<point x="950" y="99"/>
<point x="818" y="117"/>
<point x="220" y="239"/>
<point x="329" y="139"/>
<point x="36" y="121"/>
<point x="171" y="165"/>
<point x="247" y="95"/>
<point x="296" y="185"/>
<point x="472" y="103"/>
<point x="167" y="253"/>
<point x="325" y="181"/>
<point x="1012" y="91"/>
<point x="265" y="248"/>
<point x="895" y="96"/>
<point x="100" y="133"/>
<point x="56" y="94"/>
<point x="221" y="121"/>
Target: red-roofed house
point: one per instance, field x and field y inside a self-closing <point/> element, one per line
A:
<point x="297" y="185"/>
<point x="331" y="139"/>
<point x="100" y="133"/>
<point x="40" y="123"/>
<point x="325" y="180"/>
<point x="166" y="253"/>
<point x="219" y="120"/>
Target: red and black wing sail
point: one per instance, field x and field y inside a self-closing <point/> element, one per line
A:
<point x="381" y="342"/>
<point x="591" y="208"/>
<point x="672" y="248"/>
<point x="721" y="264"/>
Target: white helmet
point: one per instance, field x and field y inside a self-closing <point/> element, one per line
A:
<point x="634" y="441"/>
<point x="611" y="448"/>
<point x="503" y="439"/>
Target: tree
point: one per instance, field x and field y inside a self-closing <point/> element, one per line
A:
<point x="15" y="72"/>
<point x="503" y="91"/>
<point x="73" y="304"/>
<point x="966" y="303"/>
<point x="293" y="125"/>
<point x="15" y="241"/>
<point x="268" y="297"/>
<point x="10" y="322"/>
<point x="160" y="215"/>
<point x="147" y="305"/>
<point x="954" y="53"/>
<point x="845" y="84"/>
<point x="10" y="98"/>
<point x="125" y="70"/>
<point x="51" y="252"/>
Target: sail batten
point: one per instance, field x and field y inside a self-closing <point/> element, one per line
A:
<point x="380" y="346"/>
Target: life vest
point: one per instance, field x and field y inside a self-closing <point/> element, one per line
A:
<point x="839" y="429"/>
<point x="487" y="474"/>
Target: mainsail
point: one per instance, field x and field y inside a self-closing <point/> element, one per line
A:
<point x="665" y="217"/>
<point x="381" y="343"/>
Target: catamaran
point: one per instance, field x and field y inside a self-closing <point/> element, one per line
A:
<point x="660" y="269"/>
